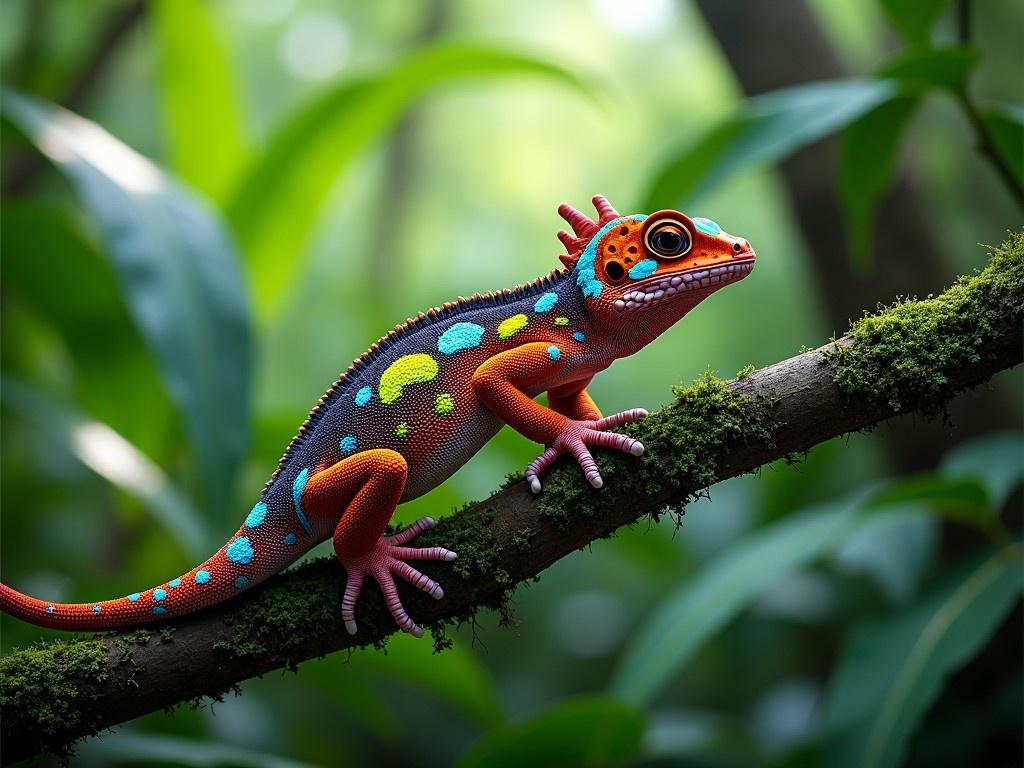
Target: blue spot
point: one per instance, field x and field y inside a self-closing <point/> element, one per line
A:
<point x="348" y="444"/>
<point x="460" y="336"/>
<point x="297" y="488"/>
<point x="202" y="577"/>
<point x="554" y="352"/>
<point x="643" y="269"/>
<point x="578" y="335"/>
<point x="174" y="583"/>
<point x="289" y="538"/>
<point x="586" y="279"/>
<point x="546" y="302"/>
<point x="133" y="597"/>
<point x="51" y="608"/>
<point x="241" y="582"/>
<point x="240" y="551"/>
<point x="97" y="608"/>
<point x="159" y="594"/>
<point x="257" y="516"/>
<point x="363" y="396"/>
<point x="159" y="610"/>
<point x="707" y="226"/>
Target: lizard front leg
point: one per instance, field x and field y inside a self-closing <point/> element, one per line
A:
<point x="366" y="488"/>
<point x="500" y="383"/>
<point x="574" y="401"/>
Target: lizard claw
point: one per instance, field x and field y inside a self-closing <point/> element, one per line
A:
<point x="574" y="438"/>
<point x="386" y="560"/>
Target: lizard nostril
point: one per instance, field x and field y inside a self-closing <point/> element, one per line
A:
<point x="736" y="247"/>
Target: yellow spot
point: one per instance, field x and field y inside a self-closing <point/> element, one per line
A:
<point x="406" y="370"/>
<point x="444" y="404"/>
<point x="511" y="326"/>
<point x="561" y="321"/>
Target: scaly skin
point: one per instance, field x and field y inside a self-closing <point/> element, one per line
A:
<point x="425" y="398"/>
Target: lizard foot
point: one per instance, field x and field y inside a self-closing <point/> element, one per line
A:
<point x="385" y="561"/>
<point x="577" y="435"/>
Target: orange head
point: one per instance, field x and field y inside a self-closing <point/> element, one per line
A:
<point x="649" y="269"/>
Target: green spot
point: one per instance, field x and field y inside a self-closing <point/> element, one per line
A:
<point x="406" y="370"/>
<point x="444" y="404"/>
<point x="402" y="430"/>
<point x="561" y="321"/>
<point x="510" y="326"/>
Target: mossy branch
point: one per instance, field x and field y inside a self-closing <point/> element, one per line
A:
<point x="913" y="356"/>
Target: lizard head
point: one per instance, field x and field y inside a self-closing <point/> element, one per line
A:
<point x="649" y="271"/>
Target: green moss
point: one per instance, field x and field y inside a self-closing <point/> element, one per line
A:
<point x="40" y="695"/>
<point x="682" y="446"/>
<point x="906" y="354"/>
<point x="470" y="536"/>
<point x="286" y="613"/>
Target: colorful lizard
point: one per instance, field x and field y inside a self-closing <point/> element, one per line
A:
<point x="415" y="407"/>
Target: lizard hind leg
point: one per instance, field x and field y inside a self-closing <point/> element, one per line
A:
<point x="365" y="489"/>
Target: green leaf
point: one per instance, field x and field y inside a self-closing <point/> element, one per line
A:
<point x="960" y="497"/>
<point x="113" y="458"/>
<point x="456" y="675"/>
<point x="128" y="747"/>
<point x="766" y="129"/>
<point x="1004" y="126"/>
<point x="177" y="270"/>
<point x="590" y="731"/>
<point x="277" y="203"/>
<point x="867" y="154"/>
<point x="914" y="19"/>
<point x="946" y="68"/>
<point x="201" y="119"/>
<point x="695" y="611"/>
<point x="891" y="672"/>
<point x="994" y="461"/>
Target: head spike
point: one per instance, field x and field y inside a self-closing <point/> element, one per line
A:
<point x="605" y="212"/>
<point x="567" y="260"/>
<point x="581" y="224"/>
<point x="567" y="240"/>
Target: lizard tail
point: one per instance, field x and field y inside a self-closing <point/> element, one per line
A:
<point x="259" y="549"/>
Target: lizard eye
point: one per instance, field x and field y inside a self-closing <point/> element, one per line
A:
<point x="667" y="239"/>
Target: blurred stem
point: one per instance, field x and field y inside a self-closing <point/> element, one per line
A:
<point x="1014" y="185"/>
<point x="23" y="170"/>
<point x="399" y="161"/>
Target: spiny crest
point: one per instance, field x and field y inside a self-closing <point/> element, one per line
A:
<point x="385" y="342"/>
<point x="583" y="227"/>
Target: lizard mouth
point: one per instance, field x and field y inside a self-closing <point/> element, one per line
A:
<point x="662" y="289"/>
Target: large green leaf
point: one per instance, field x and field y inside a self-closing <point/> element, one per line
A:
<point x="201" y="119"/>
<point x="587" y="732"/>
<point x="892" y="671"/>
<point x="946" y="68"/>
<point x="995" y="461"/>
<point x="177" y="270"/>
<point x="277" y="202"/>
<point x="765" y="130"/>
<point x="914" y="19"/>
<point x="695" y="611"/>
<point x="456" y="675"/>
<point x="1004" y="126"/>
<point x="867" y="154"/>
<point x="113" y="458"/>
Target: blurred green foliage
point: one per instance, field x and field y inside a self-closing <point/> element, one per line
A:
<point x="276" y="183"/>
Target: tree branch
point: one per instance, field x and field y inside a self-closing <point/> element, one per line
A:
<point x="914" y="356"/>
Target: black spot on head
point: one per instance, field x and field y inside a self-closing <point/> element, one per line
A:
<point x="614" y="270"/>
<point x="632" y="249"/>
<point x="624" y="231"/>
<point x="611" y="249"/>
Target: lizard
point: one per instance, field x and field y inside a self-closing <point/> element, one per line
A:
<point x="427" y="396"/>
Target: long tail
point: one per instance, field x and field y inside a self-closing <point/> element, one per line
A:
<point x="259" y="549"/>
